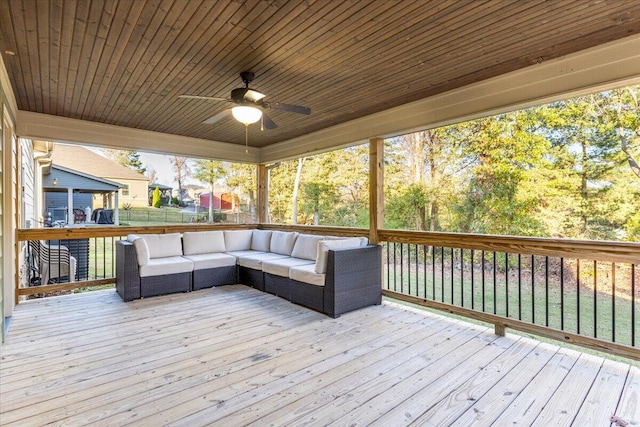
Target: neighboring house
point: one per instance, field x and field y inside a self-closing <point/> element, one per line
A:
<point x="65" y="187"/>
<point x="135" y="190"/>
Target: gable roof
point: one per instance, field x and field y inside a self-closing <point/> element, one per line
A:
<point x="83" y="160"/>
<point x="77" y="180"/>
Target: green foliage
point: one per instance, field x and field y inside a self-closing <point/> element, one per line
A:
<point x="127" y="158"/>
<point x="127" y="206"/>
<point x="156" y="200"/>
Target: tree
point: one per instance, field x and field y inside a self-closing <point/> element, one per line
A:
<point x="180" y="166"/>
<point x="156" y="200"/>
<point x="152" y="174"/>
<point x="501" y="151"/>
<point x="242" y="178"/>
<point x="126" y="158"/>
<point x="208" y="171"/>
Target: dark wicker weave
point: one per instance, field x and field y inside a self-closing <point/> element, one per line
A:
<point x="130" y="285"/>
<point x="308" y="295"/>
<point x="277" y="285"/>
<point x="210" y="277"/>
<point x="127" y="278"/>
<point x="251" y="277"/>
<point x="353" y="280"/>
<point x="165" y="284"/>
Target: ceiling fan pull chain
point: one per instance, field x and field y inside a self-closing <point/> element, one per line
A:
<point x="246" y="138"/>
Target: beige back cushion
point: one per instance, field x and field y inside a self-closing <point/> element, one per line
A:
<point x="203" y="242"/>
<point x="306" y="246"/>
<point x="142" y="251"/>
<point x="282" y="242"/>
<point x="261" y="240"/>
<point x="237" y="240"/>
<point x="325" y="245"/>
<point x="163" y="245"/>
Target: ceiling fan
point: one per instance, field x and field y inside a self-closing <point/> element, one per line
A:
<point x="250" y="104"/>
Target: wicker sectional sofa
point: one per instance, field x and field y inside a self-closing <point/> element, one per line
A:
<point x="329" y="274"/>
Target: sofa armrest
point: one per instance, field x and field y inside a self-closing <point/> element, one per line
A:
<point x="353" y="280"/>
<point x="127" y="273"/>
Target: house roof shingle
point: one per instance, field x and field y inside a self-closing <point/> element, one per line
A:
<point x="86" y="161"/>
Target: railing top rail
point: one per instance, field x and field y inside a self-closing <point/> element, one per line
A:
<point x="88" y="232"/>
<point x="568" y="248"/>
<point x="318" y="229"/>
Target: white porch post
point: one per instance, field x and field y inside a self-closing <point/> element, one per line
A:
<point x="116" y="210"/>
<point x="70" y="216"/>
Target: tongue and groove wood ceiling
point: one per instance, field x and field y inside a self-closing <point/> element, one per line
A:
<point x="125" y="62"/>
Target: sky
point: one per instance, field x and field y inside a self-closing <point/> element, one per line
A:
<point x="162" y="166"/>
<point x="159" y="162"/>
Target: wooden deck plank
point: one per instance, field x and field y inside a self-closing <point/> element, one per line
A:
<point x="528" y="405"/>
<point x="604" y="396"/>
<point x="568" y="397"/>
<point x="236" y="356"/>
<point x="629" y="407"/>
<point x="489" y="406"/>
<point x="461" y="397"/>
<point x="296" y="401"/>
<point x="240" y="388"/>
<point x="402" y="403"/>
<point x="438" y="360"/>
<point x="104" y="355"/>
<point x="241" y="364"/>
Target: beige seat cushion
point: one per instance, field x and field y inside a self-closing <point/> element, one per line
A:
<point x="204" y="261"/>
<point x="255" y="261"/>
<point x="239" y="254"/>
<point x="280" y="267"/>
<point x="166" y="265"/>
<point x="306" y="274"/>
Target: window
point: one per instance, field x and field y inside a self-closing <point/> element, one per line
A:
<point x="125" y="190"/>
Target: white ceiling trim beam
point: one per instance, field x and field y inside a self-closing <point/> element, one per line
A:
<point x="604" y="67"/>
<point x="5" y="83"/>
<point x="43" y="126"/>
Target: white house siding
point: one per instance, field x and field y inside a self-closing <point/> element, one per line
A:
<point x="29" y="216"/>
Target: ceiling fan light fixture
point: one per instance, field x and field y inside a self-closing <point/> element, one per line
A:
<point x="246" y="115"/>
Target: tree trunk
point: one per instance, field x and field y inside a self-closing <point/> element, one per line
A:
<point x="211" y="187"/>
<point x="583" y="192"/>
<point x="296" y="185"/>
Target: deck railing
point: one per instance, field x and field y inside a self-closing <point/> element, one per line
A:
<point x="46" y="255"/>
<point x="580" y="292"/>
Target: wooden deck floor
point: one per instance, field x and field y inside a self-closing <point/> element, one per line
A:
<point x="234" y="356"/>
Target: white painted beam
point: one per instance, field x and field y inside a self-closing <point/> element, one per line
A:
<point x="62" y="129"/>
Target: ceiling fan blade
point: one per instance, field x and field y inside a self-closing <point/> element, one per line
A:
<point x="289" y="107"/>
<point x="267" y="123"/>
<point x="205" y="98"/>
<point x="215" y="119"/>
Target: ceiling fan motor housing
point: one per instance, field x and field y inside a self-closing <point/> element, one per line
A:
<point x="244" y="95"/>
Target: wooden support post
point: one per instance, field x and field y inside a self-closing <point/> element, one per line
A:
<point x="501" y="330"/>
<point x="263" y="202"/>
<point x="376" y="185"/>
